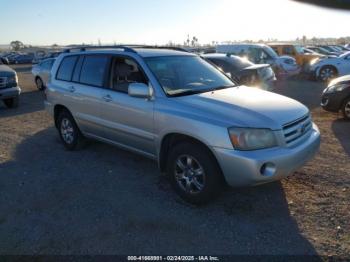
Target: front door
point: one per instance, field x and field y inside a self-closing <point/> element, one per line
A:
<point x="128" y="121"/>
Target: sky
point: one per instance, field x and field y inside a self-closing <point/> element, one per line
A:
<point x="47" y="22"/>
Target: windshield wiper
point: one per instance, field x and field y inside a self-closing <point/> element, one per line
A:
<point x="188" y="92"/>
<point x="199" y="91"/>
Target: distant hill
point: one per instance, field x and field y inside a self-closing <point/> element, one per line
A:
<point x="4" y="47"/>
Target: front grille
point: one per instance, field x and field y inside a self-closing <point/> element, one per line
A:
<point x="3" y="82"/>
<point x="297" y="129"/>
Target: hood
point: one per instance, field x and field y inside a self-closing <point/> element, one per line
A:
<point x="343" y="79"/>
<point x="6" y="71"/>
<point x="244" y="107"/>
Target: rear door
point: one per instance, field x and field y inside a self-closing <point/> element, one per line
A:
<point x="82" y="89"/>
<point x="128" y="120"/>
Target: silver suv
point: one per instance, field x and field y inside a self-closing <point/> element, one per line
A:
<point x="174" y="107"/>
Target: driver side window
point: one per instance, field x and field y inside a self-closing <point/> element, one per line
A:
<point x="124" y="72"/>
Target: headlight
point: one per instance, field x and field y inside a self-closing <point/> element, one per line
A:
<point x="337" y="88"/>
<point x="246" y="139"/>
<point x="12" y="79"/>
<point x="314" y="61"/>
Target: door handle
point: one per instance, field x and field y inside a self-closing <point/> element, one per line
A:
<point x="72" y="89"/>
<point x="107" y="98"/>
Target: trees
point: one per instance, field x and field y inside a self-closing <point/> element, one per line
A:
<point x="16" y="45"/>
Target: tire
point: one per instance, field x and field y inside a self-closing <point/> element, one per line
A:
<point x="69" y="132"/>
<point x="346" y="109"/>
<point x="197" y="180"/>
<point x="327" y="73"/>
<point x="39" y="84"/>
<point x="12" y="102"/>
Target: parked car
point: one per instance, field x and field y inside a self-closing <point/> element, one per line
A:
<point x="183" y="112"/>
<point x="22" y="59"/>
<point x="48" y="56"/>
<point x="243" y="71"/>
<point x="302" y="58"/>
<point x="332" y="49"/>
<point x="343" y="48"/>
<point x="322" y="51"/>
<point x="9" y="89"/>
<point x="336" y="97"/>
<point x="262" y="54"/>
<point x="328" y="68"/>
<point x="41" y="73"/>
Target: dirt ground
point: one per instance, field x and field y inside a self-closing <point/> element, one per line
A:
<point x="103" y="200"/>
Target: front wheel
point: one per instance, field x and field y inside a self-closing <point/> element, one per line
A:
<point x="39" y="84"/>
<point x="69" y="132"/>
<point x="346" y="109"/>
<point x="194" y="173"/>
<point x="12" y="102"/>
<point x="327" y="73"/>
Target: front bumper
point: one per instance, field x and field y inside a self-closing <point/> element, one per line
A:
<point x="333" y="101"/>
<point x="249" y="168"/>
<point x="10" y="92"/>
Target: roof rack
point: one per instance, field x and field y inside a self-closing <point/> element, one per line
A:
<point x="127" y="48"/>
<point x="164" y="47"/>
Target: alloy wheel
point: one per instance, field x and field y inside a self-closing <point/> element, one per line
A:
<point x="347" y="109"/>
<point x="327" y="74"/>
<point x="67" y="131"/>
<point x="189" y="174"/>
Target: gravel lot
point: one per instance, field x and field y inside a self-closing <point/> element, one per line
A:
<point x="103" y="200"/>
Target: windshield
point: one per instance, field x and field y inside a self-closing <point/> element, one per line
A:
<point x="270" y="52"/>
<point x="299" y="49"/>
<point x="185" y="75"/>
<point x="345" y="54"/>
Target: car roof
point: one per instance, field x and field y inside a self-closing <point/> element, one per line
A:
<point x="154" y="52"/>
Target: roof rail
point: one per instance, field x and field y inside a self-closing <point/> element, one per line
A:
<point x="164" y="47"/>
<point x="127" y="48"/>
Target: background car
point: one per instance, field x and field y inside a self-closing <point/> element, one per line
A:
<point x="332" y="49"/>
<point x="328" y="68"/>
<point x="336" y="97"/>
<point x="263" y="54"/>
<point x="302" y="58"/>
<point x="23" y="59"/>
<point x="41" y="73"/>
<point x="322" y="51"/>
<point x="9" y="89"/>
<point x="243" y="71"/>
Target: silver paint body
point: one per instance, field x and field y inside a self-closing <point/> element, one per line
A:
<point x="42" y="72"/>
<point x="140" y="125"/>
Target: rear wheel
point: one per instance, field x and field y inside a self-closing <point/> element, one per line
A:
<point x="12" y="102"/>
<point x="39" y="84"/>
<point x="194" y="173"/>
<point x="346" y="109"/>
<point x="69" y="132"/>
<point x="327" y="73"/>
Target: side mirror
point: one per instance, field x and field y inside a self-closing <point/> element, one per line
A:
<point x="139" y="90"/>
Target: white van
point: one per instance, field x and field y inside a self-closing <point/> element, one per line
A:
<point x="262" y="54"/>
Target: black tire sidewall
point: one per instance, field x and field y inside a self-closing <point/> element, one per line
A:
<point x="213" y="181"/>
<point x="343" y="108"/>
<point x="42" y="84"/>
<point x="11" y="102"/>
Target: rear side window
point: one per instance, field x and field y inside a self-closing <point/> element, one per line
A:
<point x="66" y="68"/>
<point x="93" y="70"/>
